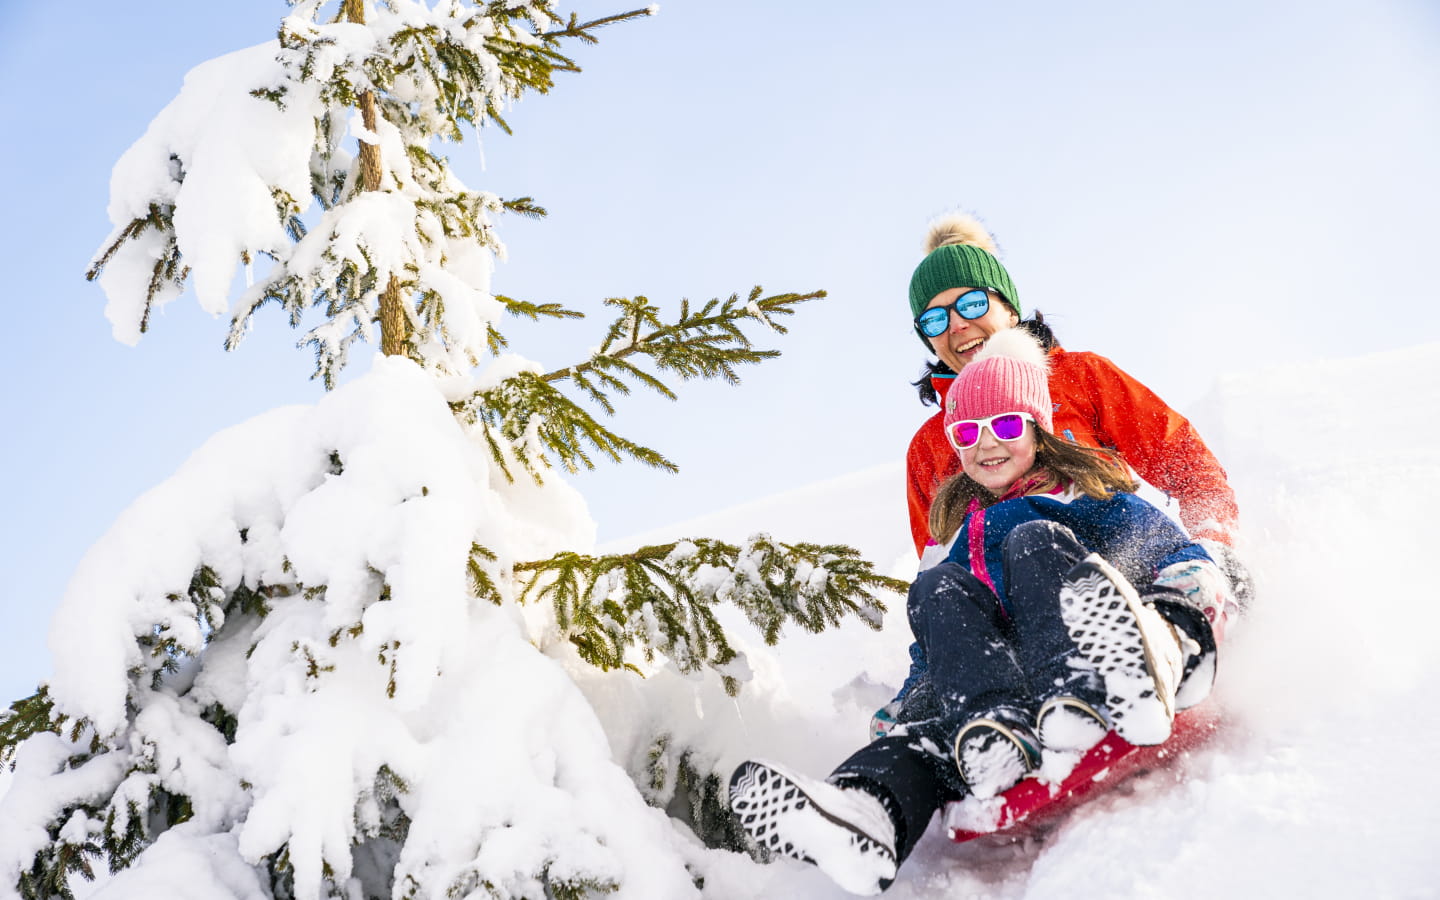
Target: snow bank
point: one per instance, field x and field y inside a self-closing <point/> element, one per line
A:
<point x="418" y="694"/>
<point x="1314" y="788"/>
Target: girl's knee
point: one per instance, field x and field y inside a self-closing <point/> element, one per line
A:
<point x="1041" y="534"/>
<point x="948" y="582"/>
<point x="947" y="576"/>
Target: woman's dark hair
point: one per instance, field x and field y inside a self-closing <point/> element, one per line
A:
<point x="1040" y="331"/>
<point x="933" y="367"/>
<point x="1035" y="325"/>
<point x="1093" y="471"/>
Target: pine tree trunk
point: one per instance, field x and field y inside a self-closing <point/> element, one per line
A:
<point x="394" y="328"/>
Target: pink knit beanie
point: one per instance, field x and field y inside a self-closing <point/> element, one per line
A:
<point x="1009" y="374"/>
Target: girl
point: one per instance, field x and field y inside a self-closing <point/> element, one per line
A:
<point x="1030" y="636"/>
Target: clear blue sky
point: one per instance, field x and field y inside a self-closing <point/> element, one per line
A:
<point x="1191" y="190"/>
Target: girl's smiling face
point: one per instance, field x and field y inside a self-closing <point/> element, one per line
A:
<point x="995" y="464"/>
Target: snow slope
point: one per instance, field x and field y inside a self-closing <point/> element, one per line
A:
<point x="1321" y="785"/>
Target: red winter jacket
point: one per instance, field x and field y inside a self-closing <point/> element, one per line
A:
<point x="1097" y="404"/>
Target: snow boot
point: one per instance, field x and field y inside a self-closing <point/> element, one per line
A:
<point x="994" y="751"/>
<point x="845" y="832"/>
<point x="1069" y="725"/>
<point x="1133" y="648"/>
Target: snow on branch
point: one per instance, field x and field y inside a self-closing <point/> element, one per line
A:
<point x="250" y="162"/>
<point x="289" y="661"/>
<point x="528" y="421"/>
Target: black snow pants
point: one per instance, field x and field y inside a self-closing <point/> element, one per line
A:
<point x="980" y="656"/>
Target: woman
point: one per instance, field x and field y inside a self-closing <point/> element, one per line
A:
<point x="1030" y="637"/>
<point x="960" y="295"/>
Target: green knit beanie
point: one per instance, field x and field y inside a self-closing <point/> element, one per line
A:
<point x="959" y="265"/>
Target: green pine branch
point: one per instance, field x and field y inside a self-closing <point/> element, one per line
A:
<point x="27" y="717"/>
<point x="167" y="272"/>
<point x="524" y="309"/>
<point x="525" y="206"/>
<point x="480" y="567"/>
<point x="53" y="869"/>
<point x="660" y="599"/>
<point x="529" y="420"/>
<point x="691" y="791"/>
<point x="708" y="342"/>
<point x="585" y="31"/>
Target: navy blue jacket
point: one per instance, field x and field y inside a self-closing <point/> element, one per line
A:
<point x="1130" y="533"/>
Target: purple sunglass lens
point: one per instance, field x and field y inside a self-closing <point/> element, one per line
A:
<point x="967" y="433"/>
<point x="1008" y="428"/>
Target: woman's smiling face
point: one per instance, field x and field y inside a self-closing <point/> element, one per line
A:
<point x="959" y="343"/>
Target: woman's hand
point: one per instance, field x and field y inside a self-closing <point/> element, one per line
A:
<point x="884" y="721"/>
<point x="1242" y="585"/>
<point x="1203" y="586"/>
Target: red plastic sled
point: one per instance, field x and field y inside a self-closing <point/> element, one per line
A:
<point x="1103" y="766"/>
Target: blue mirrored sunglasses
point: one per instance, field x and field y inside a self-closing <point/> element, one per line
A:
<point x="969" y="305"/>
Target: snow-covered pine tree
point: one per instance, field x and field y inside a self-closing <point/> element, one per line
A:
<point x="351" y="650"/>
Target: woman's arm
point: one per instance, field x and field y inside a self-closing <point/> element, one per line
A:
<point x="1143" y="543"/>
<point x="1135" y="536"/>
<point x="929" y="461"/>
<point x="1156" y="441"/>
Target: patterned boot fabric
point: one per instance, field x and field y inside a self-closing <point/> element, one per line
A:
<point x="846" y="832"/>
<point x="993" y="753"/>
<point x="1133" y="648"/>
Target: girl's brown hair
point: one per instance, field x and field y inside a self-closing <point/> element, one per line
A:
<point x="1093" y="471"/>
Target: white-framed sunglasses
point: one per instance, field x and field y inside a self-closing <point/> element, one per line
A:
<point x="1008" y="426"/>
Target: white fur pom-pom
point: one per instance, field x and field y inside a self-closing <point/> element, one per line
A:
<point x="1015" y="343"/>
<point x="959" y="228"/>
